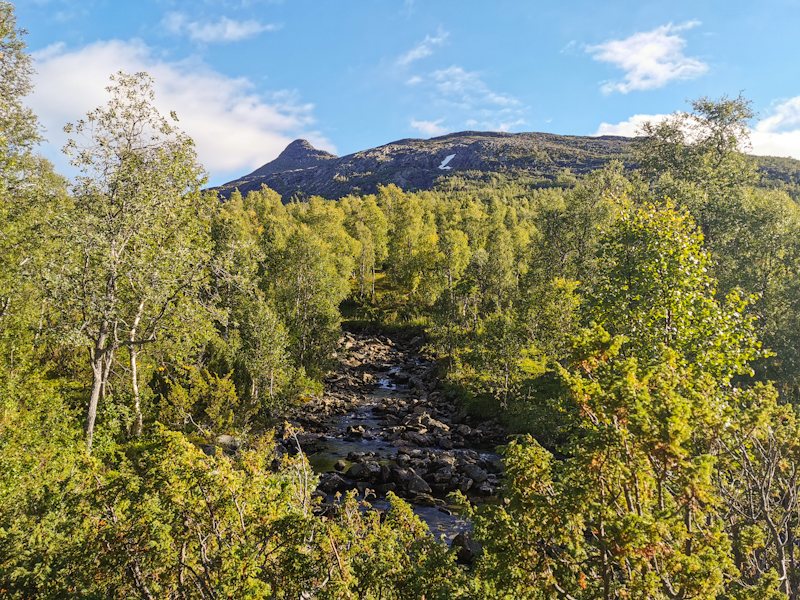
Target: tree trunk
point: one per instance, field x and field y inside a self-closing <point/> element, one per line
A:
<point x="271" y="382"/>
<point x="97" y="356"/>
<point x="94" y="399"/>
<point x="137" y="427"/>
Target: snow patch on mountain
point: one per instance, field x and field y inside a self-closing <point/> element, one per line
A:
<point x="445" y="161"/>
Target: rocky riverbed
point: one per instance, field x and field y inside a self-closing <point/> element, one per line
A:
<point x="382" y="426"/>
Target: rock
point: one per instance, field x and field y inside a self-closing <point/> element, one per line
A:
<point x="416" y="383"/>
<point x="357" y="471"/>
<point x="373" y="471"/>
<point x="475" y="473"/>
<point x="401" y="377"/>
<point x="229" y="441"/>
<point x="402" y="477"/>
<point x="385" y="488"/>
<point x="468" y="549"/>
<point x="463" y="430"/>
<point x="430" y="423"/>
<point x="416" y="342"/>
<point x="486" y="489"/>
<point x="340" y="465"/>
<point x="417" y="439"/>
<point x="209" y="449"/>
<point x="441" y="476"/>
<point x="418" y="486"/>
<point x="426" y="500"/>
<point x="356" y="430"/>
<point x="331" y="483"/>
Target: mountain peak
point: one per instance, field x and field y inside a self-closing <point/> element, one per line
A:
<point x="298" y="145"/>
<point x="300" y="154"/>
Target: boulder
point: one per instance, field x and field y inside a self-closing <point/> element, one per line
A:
<point x="475" y="473"/>
<point x="231" y="442"/>
<point x="330" y="483"/>
<point x="468" y="549"/>
<point x="418" y="486"/>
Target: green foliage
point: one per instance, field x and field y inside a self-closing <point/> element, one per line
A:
<point x="208" y="402"/>
<point x="657" y="469"/>
<point x="631" y="511"/>
<point x="757" y="478"/>
<point x="136" y="243"/>
<point x="654" y="289"/>
<point x="308" y="285"/>
<point x="31" y="194"/>
<point x="159" y="518"/>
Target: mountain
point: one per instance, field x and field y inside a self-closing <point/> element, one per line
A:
<point x="297" y="156"/>
<point x="415" y="164"/>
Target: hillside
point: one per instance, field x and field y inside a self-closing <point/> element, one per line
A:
<point x="416" y="164"/>
<point x="419" y="164"/>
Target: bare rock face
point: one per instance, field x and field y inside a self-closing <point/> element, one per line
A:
<point x="297" y="155"/>
<point x="415" y="164"/>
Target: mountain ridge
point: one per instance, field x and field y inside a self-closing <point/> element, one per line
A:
<point x="415" y="164"/>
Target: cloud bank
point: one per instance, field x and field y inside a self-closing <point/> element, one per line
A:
<point x="776" y="135"/>
<point x="429" y="128"/>
<point x="235" y="128"/>
<point x="650" y="59"/>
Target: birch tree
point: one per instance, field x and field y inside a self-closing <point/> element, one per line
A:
<point x="138" y="237"/>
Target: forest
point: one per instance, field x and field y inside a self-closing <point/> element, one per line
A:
<point x="636" y="332"/>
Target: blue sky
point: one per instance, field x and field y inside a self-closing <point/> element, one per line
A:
<point x="246" y="77"/>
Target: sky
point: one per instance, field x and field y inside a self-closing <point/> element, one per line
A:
<point x="246" y="77"/>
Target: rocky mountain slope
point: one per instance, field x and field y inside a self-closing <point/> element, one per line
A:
<point x="418" y="164"/>
<point x="415" y="164"/>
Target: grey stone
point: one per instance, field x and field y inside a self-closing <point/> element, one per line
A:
<point x="468" y="549"/>
<point x="418" y="485"/>
<point x="475" y="473"/>
<point x="332" y="483"/>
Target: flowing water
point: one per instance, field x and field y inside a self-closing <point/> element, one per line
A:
<point x="337" y="444"/>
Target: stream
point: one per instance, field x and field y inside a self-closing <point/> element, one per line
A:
<point x="382" y="426"/>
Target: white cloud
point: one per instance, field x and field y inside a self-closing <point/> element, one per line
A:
<point x="785" y="115"/>
<point x="629" y="128"/>
<point x="414" y="80"/>
<point x="224" y="30"/>
<point x="569" y="48"/>
<point x="786" y="143"/>
<point x="423" y="49"/>
<point x="650" y="59"/>
<point x="429" y="128"/>
<point x="467" y="88"/>
<point x="511" y="125"/>
<point x="779" y="134"/>
<point x="235" y="128"/>
<point x="466" y="98"/>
